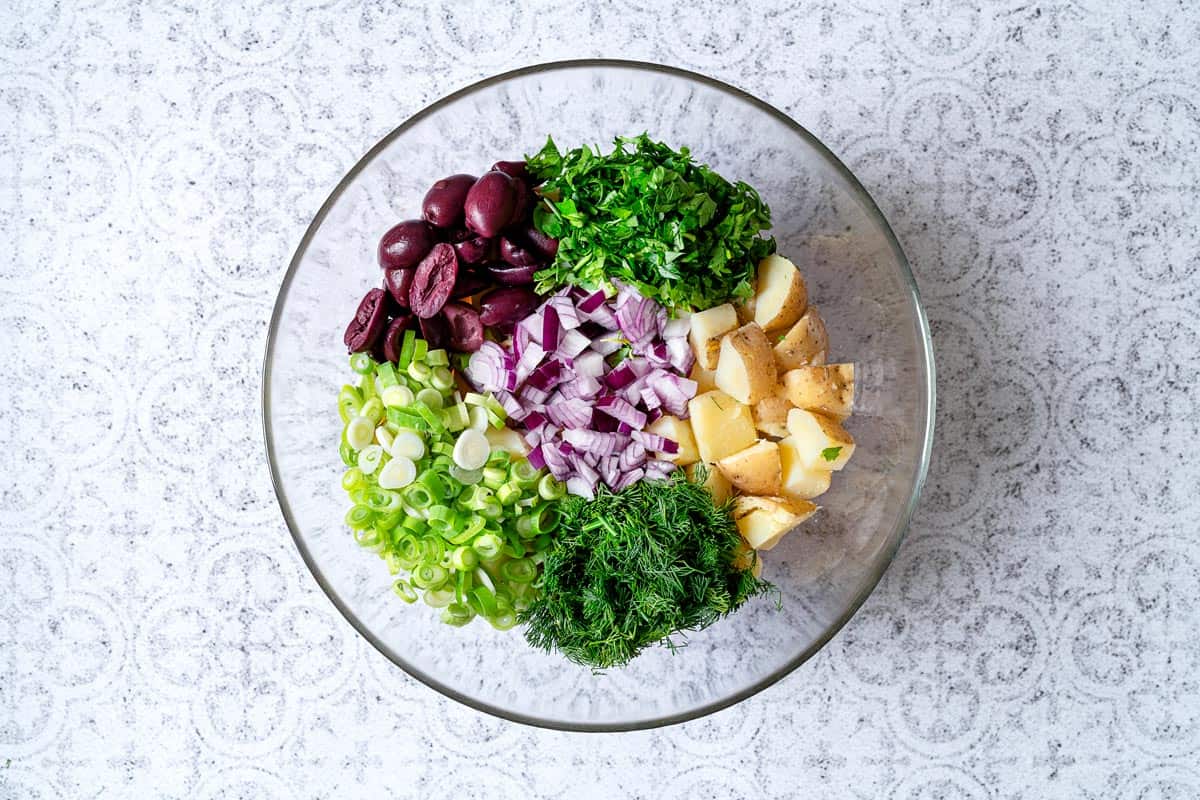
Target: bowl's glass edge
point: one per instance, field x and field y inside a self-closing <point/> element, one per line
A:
<point x="898" y="531"/>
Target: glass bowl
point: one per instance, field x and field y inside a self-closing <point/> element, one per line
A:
<point x="857" y="276"/>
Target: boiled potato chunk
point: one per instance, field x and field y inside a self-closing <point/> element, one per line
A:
<point x="746" y="558"/>
<point x="755" y="470"/>
<point x="820" y="442"/>
<point x="806" y="342"/>
<point x="706" y="379"/>
<point x="745" y="311"/>
<point x="714" y="480"/>
<point x="721" y="425"/>
<point x="746" y="368"/>
<point x="801" y="482"/>
<point x="770" y="414"/>
<point x="708" y="327"/>
<point x="827" y="388"/>
<point x="763" y="521"/>
<point x="679" y="432"/>
<point x="782" y="296"/>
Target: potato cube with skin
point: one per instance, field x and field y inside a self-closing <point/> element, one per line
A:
<point x="806" y="342"/>
<point x="707" y="328"/>
<point x="680" y="432"/>
<point x="781" y="296"/>
<point x="763" y="521"/>
<point x="770" y="413"/>
<point x="828" y="388"/>
<point x="745" y="311"/>
<point x="820" y="442"/>
<point x="746" y="368"/>
<point x="755" y="470"/>
<point x="714" y="480"/>
<point x="721" y="425"/>
<point x="801" y="482"/>
<point x="706" y="379"/>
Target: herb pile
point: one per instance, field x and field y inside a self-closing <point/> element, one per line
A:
<point x="652" y="218"/>
<point x="629" y="569"/>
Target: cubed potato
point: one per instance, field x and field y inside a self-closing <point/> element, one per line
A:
<point x="745" y="311"/>
<point x="781" y="296"/>
<point x="680" y="432"/>
<point x="806" y="342"/>
<point x="770" y="413"/>
<point x="820" y="442"/>
<point x="714" y="480"/>
<point x="828" y="388"/>
<point x="708" y="327"/>
<point x="746" y="368"/>
<point x="745" y="558"/>
<point x="801" y="482"/>
<point x="706" y="379"/>
<point x="721" y="425"/>
<point x="763" y="521"/>
<point x="755" y="470"/>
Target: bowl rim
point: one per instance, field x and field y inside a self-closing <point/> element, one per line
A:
<point x="899" y="530"/>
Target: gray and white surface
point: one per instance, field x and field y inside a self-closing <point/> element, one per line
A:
<point x="1038" y="635"/>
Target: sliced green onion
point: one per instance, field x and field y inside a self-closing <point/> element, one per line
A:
<point x="520" y="570"/>
<point x="362" y="364"/>
<point x="407" y="418"/>
<point x="550" y="488"/>
<point x="466" y="476"/>
<point x="441" y="379"/>
<point x="487" y="545"/>
<point x="434" y="484"/>
<point x="444" y="449"/>
<point x="387" y="374"/>
<point x="419" y="372"/>
<point x="508" y="494"/>
<point x="439" y="598"/>
<point x="404" y="591"/>
<point x="479" y="419"/>
<point x="462" y="584"/>
<point x="494" y="477"/>
<point x="432" y="418"/>
<point x="349" y="454"/>
<point x="525" y="474"/>
<point x="429" y="576"/>
<point x="360" y="517"/>
<point x="483" y="600"/>
<point x="390" y="519"/>
<point x="420" y="348"/>
<point x="384" y="437"/>
<point x="457" y="614"/>
<point x="352" y="479"/>
<point x="349" y="403"/>
<point x="415" y="524"/>
<point x="397" y="397"/>
<point x="373" y="410"/>
<point x="406" y="349"/>
<point x="370" y="457"/>
<point x="491" y="510"/>
<point x="437" y="358"/>
<point x="464" y="558"/>
<point x="431" y="398"/>
<point x="367" y="537"/>
<point x="467" y="531"/>
<point x="418" y="496"/>
<point x="474" y="399"/>
<point x="543" y="543"/>
<point x="503" y="619"/>
<point x="360" y="432"/>
<point x="456" y="417"/>
<point x="409" y="444"/>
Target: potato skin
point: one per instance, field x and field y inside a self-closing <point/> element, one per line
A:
<point x="827" y="388"/>
<point x="755" y="470"/>
<point x="781" y="296"/>
<point x="805" y="343"/>
<point x="770" y="413"/>
<point x="746" y="368"/>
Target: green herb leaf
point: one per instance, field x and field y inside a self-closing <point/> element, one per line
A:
<point x="650" y="217"/>
<point x="633" y="568"/>
<point x="831" y="453"/>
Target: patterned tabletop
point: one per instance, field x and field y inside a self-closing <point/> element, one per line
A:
<point x="1038" y="635"/>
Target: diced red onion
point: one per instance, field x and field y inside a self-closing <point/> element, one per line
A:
<point x="678" y="328"/>
<point x="573" y="343"/>
<point x="536" y="459"/>
<point x="629" y="478"/>
<point x="550" y="327"/>
<point x="592" y="302"/>
<point x="659" y="444"/>
<point x="589" y="364"/>
<point x="622" y="411"/>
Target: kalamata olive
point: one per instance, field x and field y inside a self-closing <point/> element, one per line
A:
<point x="523" y="208"/>
<point x="405" y="244"/>
<point x="434" y="281"/>
<point x="398" y="282"/>
<point x="393" y="337"/>
<point x="513" y="169"/>
<point x="508" y="305"/>
<point x="516" y="251"/>
<point x="510" y="275"/>
<point x="471" y="248"/>
<point x="367" y="325"/>
<point x="466" y="331"/>
<point x="470" y="282"/>
<point x="435" y="330"/>
<point x="546" y="245"/>
<point x="443" y="204"/>
<point x="490" y="203"/>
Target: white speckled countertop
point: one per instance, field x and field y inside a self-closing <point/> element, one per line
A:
<point x="1038" y="635"/>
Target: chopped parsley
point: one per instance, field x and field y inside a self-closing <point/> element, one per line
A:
<point x="831" y="453"/>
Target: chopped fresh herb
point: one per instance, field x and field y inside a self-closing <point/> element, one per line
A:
<point x="632" y="568"/>
<point x="781" y="337"/>
<point x="831" y="453"/>
<point x="650" y="217"/>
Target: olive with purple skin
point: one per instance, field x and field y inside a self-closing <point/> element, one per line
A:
<point x="405" y="244"/>
<point x="435" y="331"/>
<point x="516" y="251"/>
<point x="507" y="306"/>
<point x="398" y="282"/>
<point x="393" y="337"/>
<point x="491" y="203"/>
<point x="434" y="281"/>
<point x="470" y="282"/>
<point x="443" y="203"/>
<point x="514" y="169"/>
<point x="509" y="275"/>
<point x="466" y="330"/>
<point x="546" y="245"/>
<point x="367" y="325"/>
<point x="471" y="248"/>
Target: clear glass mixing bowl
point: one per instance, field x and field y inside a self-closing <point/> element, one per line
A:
<point x="857" y="275"/>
